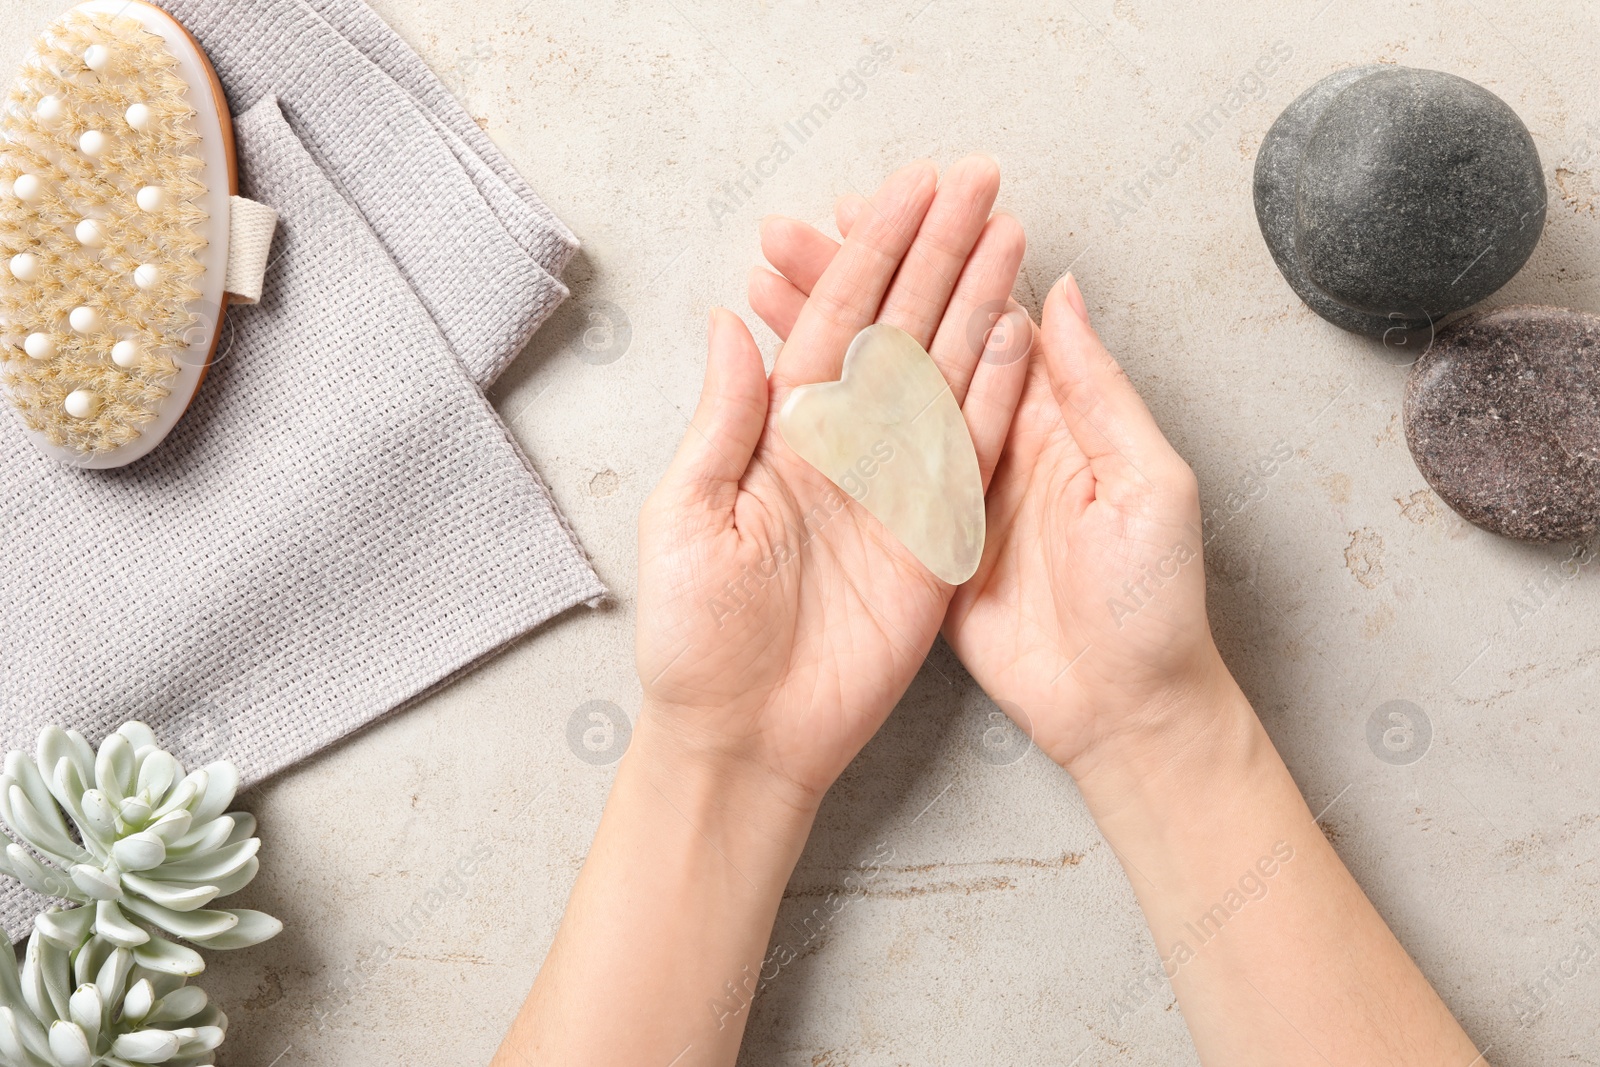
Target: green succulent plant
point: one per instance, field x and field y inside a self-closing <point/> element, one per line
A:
<point x="87" y="1003"/>
<point x="141" y="844"/>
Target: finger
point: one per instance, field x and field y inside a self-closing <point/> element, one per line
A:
<point x="997" y="386"/>
<point x="978" y="302"/>
<point x="727" y="424"/>
<point x="797" y="251"/>
<point x="1102" y="409"/>
<point x="776" y="300"/>
<point x="847" y="296"/>
<point x="917" y="298"/>
<point x="1074" y="297"/>
<point x="846" y="211"/>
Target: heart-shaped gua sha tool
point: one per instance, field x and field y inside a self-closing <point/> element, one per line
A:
<point x="890" y="434"/>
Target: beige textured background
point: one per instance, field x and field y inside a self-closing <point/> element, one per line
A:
<point x="1001" y="929"/>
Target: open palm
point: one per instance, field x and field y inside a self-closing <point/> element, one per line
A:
<point x="1084" y="611"/>
<point x="779" y="621"/>
<point x="1087" y="613"/>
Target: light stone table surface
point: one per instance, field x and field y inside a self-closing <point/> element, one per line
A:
<point x="1001" y="929"/>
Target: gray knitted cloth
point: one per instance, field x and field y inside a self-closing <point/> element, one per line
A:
<point x="341" y="522"/>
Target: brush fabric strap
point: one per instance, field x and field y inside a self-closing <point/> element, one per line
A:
<point x="250" y="229"/>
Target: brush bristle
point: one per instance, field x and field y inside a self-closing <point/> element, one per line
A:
<point x="70" y="180"/>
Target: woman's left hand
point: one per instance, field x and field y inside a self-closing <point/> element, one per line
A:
<point x="779" y="622"/>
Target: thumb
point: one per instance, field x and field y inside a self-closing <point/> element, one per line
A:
<point x="1102" y="409"/>
<point x="728" y="422"/>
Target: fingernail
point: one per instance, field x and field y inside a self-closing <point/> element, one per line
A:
<point x="1074" y="295"/>
<point x="1009" y="339"/>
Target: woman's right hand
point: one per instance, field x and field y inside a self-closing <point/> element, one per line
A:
<point x="1087" y="619"/>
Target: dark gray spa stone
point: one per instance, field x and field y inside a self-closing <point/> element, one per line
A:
<point x="1276" y="184"/>
<point x="1390" y="197"/>
<point x="1503" y="418"/>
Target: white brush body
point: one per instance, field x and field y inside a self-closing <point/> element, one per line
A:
<point x="193" y="355"/>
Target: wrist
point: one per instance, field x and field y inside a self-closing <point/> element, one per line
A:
<point x="1184" y="744"/>
<point x="672" y="912"/>
<point x="725" y="795"/>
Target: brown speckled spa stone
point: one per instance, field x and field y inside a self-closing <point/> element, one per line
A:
<point x="1503" y="419"/>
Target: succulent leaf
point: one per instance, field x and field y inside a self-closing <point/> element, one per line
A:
<point x="87" y="1011"/>
<point x="146" y="1046"/>
<point x="46" y="981"/>
<point x="244" y="826"/>
<point x="236" y="881"/>
<point x="252" y="928"/>
<point x="200" y="1039"/>
<point x="141" y="1001"/>
<point x="67" y="928"/>
<point x="222" y="785"/>
<point x="67" y="788"/>
<point x="184" y="793"/>
<point x="193" y="925"/>
<point x="14" y="1047"/>
<point x="156" y="774"/>
<point x="179" y="896"/>
<point x="117" y="1020"/>
<point x="85" y="963"/>
<point x="156" y="843"/>
<point x="111" y="924"/>
<point x="10" y="979"/>
<point x="138" y="734"/>
<point x="70" y="1045"/>
<point x="56" y="744"/>
<point x="114" y="769"/>
<point x="139" y="852"/>
<point x="211" y="866"/>
<point x="172" y="826"/>
<point x="22" y="771"/>
<point x="159" y="954"/>
<point x="202" y="838"/>
<point x="95" y="883"/>
<point x="114" y="972"/>
<point x="37" y="829"/>
<point x="134" y="811"/>
<point x="99" y="815"/>
<point x="180" y="1005"/>
<point x="27" y="870"/>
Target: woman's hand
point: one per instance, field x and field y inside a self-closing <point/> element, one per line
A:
<point x="778" y="621"/>
<point x="1086" y="619"/>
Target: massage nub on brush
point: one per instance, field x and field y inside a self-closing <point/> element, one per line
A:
<point x="122" y="237"/>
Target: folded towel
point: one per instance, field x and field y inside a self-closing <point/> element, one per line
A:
<point x="341" y="522"/>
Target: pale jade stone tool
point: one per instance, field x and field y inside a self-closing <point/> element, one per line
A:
<point x="890" y="434"/>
